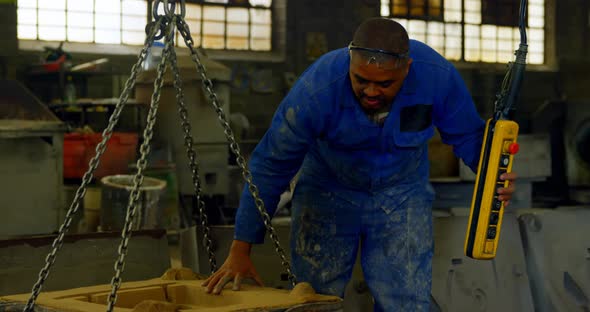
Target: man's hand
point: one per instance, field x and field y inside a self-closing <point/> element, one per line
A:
<point x="505" y="193"/>
<point x="236" y="267"/>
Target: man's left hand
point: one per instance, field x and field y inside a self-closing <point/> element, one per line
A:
<point x="505" y="193"/>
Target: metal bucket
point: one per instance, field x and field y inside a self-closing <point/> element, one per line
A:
<point x="115" y="196"/>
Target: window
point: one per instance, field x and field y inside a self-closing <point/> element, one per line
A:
<point x="472" y="30"/>
<point x="416" y="8"/>
<point x="228" y="24"/>
<point x="104" y="21"/>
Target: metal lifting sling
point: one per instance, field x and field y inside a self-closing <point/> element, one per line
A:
<point x="162" y="26"/>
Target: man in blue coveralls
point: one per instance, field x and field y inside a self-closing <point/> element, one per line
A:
<point x="356" y="125"/>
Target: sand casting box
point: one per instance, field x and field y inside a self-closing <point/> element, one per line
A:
<point x="177" y="290"/>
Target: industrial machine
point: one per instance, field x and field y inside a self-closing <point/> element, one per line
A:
<point x="496" y="158"/>
<point x="34" y="136"/>
<point x="567" y="126"/>
<point x="577" y="149"/>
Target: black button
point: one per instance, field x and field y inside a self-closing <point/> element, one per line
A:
<point x="500" y="172"/>
<point x="491" y="233"/>
<point x="494" y="218"/>
<point x="496" y="204"/>
<point x="504" y="160"/>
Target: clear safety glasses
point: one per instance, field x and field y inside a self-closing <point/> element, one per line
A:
<point x="383" y="59"/>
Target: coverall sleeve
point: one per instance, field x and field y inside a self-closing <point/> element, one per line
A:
<point x="277" y="158"/>
<point x="459" y="122"/>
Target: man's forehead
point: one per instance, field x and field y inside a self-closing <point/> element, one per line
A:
<point x="373" y="72"/>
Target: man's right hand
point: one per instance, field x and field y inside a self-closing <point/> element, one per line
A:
<point x="236" y="267"/>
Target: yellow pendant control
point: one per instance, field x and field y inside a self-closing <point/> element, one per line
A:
<point x="485" y="218"/>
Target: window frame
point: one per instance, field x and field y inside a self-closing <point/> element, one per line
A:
<point x="550" y="57"/>
<point x="276" y="54"/>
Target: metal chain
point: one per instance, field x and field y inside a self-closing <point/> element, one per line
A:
<point x="192" y="157"/>
<point x="141" y="165"/>
<point x="184" y="30"/>
<point x="94" y="162"/>
<point x="142" y="162"/>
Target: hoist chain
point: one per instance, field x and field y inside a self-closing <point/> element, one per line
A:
<point x="193" y="160"/>
<point x="184" y="30"/>
<point x="144" y="149"/>
<point x="94" y="162"/>
<point x="163" y="25"/>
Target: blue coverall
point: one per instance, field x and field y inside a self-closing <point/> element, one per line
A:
<point x="360" y="181"/>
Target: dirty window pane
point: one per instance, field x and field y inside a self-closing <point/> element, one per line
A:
<point x="260" y="16"/>
<point x="103" y="21"/>
<point x="133" y="37"/>
<point x="264" y="3"/>
<point x="261" y="37"/>
<point x="107" y="21"/>
<point x="107" y="36"/>
<point x="78" y="34"/>
<point x="435" y="36"/>
<point x="27" y="32"/>
<point x="260" y="32"/>
<point x="80" y="19"/>
<point x="214" y="35"/>
<point x="27" y="4"/>
<point x="237" y="15"/>
<point x="52" y="33"/>
<point x="193" y="20"/>
<point x="219" y="24"/>
<point x="261" y="44"/>
<point x="107" y="6"/>
<point x="214" y="13"/>
<point x="130" y="22"/>
<point x="27" y="16"/>
<point x="52" y="17"/>
<point x="237" y="28"/>
<point x="52" y="4"/>
<point x="422" y="9"/>
<point x="474" y="30"/>
<point x="452" y="10"/>
<point x="134" y="7"/>
<point x="80" y="6"/>
<point x="385" y="9"/>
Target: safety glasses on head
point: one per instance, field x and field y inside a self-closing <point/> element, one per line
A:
<point x="383" y="59"/>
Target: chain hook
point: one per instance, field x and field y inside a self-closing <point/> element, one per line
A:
<point x="169" y="8"/>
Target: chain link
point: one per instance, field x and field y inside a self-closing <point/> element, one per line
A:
<point x="246" y="174"/>
<point x="144" y="149"/>
<point x="94" y="162"/>
<point x="193" y="160"/>
<point x="168" y="51"/>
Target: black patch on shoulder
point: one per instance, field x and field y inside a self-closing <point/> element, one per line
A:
<point x="416" y="117"/>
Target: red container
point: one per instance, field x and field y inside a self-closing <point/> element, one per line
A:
<point x="80" y="148"/>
